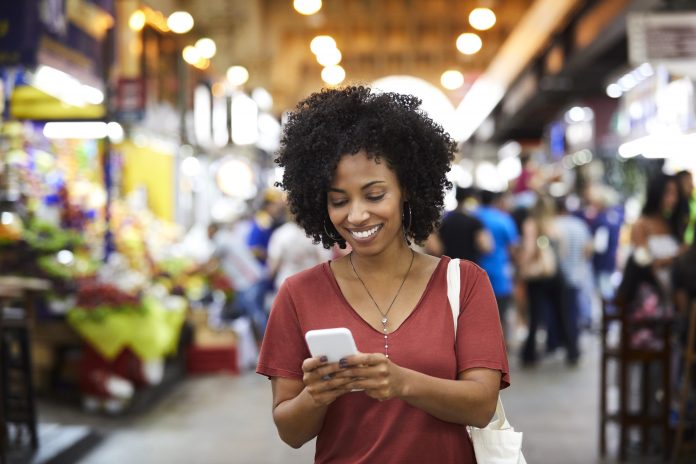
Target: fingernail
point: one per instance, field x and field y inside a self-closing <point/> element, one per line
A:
<point x="343" y="363"/>
<point x="323" y="359"/>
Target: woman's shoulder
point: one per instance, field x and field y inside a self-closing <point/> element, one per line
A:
<point x="466" y="268"/>
<point x="309" y="277"/>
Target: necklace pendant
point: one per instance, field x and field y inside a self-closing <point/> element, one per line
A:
<point x="384" y="321"/>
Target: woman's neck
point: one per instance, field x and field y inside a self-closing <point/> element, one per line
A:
<point x="389" y="261"/>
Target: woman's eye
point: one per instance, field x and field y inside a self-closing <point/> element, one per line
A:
<point x="375" y="197"/>
<point x="337" y="203"/>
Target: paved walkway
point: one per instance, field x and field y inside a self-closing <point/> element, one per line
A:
<point x="224" y="419"/>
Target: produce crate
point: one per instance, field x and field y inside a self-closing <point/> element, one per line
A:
<point x="203" y="360"/>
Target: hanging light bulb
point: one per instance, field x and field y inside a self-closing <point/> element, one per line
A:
<point x="333" y="75"/>
<point x="237" y="75"/>
<point x="137" y="20"/>
<point x="329" y="57"/>
<point x="191" y="54"/>
<point x="307" y="7"/>
<point x="321" y="43"/>
<point x="206" y="47"/>
<point x="482" y="18"/>
<point x="469" y="43"/>
<point x="452" y="79"/>
<point x="180" y="22"/>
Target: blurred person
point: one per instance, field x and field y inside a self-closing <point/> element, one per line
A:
<point x="290" y="251"/>
<point x="525" y="186"/>
<point x="462" y="234"/>
<point x="247" y="275"/>
<point x="497" y="261"/>
<point x="374" y="178"/>
<point x="574" y="251"/>
<point x="655" y="236"/>
<point x="685" y="214"/>
<point x="539" y="268"/>
<point x="269" y="216"/>
<point x="605" y="216"/>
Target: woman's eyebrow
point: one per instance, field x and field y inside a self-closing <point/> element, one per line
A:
<point x="366" y="186"/>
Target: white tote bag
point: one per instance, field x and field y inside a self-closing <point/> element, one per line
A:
<point x="497" y="443"/>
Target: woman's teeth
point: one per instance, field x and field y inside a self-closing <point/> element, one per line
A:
<point x="366" y="234"/>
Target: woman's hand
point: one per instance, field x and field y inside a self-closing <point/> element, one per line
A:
<point x="322" y="380"/>
<point x="374" y="373"/>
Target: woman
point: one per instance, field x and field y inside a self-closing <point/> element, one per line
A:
<point x="655" y="235"/>
<point x="368" y="170"/>
<point x="538" y="266"/>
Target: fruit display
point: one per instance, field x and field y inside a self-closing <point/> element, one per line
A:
<point x="46" y="237"/>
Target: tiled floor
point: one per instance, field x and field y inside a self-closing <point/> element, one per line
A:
<point x="224" y="419"/>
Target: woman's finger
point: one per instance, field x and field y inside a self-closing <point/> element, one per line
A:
<point x="310" y="364"/>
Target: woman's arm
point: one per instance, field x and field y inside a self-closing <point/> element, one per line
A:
<point x="471" y="400"/>
<point x="299" y="406"/>
<point x="297" y="417"/>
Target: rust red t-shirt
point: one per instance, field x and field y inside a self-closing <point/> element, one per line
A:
<point x="357" y="428"/>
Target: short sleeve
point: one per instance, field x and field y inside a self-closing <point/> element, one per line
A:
<point x="480" y="341"/>
<point x="283" y="349"/>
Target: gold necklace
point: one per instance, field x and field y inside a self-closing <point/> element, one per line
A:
<point x="385" y="319"/>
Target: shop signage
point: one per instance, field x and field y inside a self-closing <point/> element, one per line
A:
<point x="77" y="26"/>
<point x="666" y="38"/>
<point x="19" y="39"/>
<point x="129" y="103"/>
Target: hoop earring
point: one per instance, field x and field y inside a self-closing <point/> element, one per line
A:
<point x="332" y="237"/>
<point x="407" y="228"/>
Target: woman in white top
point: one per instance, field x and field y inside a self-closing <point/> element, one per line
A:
<point x="653" y="236"/>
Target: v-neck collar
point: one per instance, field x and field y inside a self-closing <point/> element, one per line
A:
<point x="337" y="288"/>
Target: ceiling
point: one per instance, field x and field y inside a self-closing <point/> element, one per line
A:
<point x="377" y="38"/>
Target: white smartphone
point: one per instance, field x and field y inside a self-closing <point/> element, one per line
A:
<point x="333" y="343"/>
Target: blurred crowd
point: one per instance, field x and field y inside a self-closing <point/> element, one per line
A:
<point x="554" y="260"/>
<point x="551" y="260"/>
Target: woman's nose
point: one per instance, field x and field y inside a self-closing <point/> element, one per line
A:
<point x="358" y="213"/>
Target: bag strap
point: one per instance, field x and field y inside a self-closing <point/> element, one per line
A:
<point x="453" y="284"/>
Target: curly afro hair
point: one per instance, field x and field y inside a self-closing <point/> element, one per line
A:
<point x="387" y="126"/>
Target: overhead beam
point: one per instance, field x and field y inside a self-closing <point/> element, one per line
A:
<point x="528" y="38"/>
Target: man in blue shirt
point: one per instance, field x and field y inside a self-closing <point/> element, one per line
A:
<point x="497" y="262"/>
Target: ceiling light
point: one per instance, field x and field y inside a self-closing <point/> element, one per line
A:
<point x="137" y="20"/>
<point x="75" y="130"/>
<point x="321" y="43"/>
<point x="614" y="90"/>
<point x="191" y="54"/>
<point x="575" y="114"/>
<point x="646" y="70"/>
<point x="329" y="57"/>
<point x="307" y="7"/>
<point x="206" y="47"/>
<point x="627" y="82"/>
<point x="469" y="43"/>
<point x="482" y="18"/>
<point x="237" y="75"/>
<point x="180" y="22"/>
<point x="333" y="75"/>
<point x="244" y="115"/>
<point x="202" y="63"/>
<point x="452" y="79"/>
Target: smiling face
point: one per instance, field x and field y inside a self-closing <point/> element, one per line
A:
<point x="364" y="204"/>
